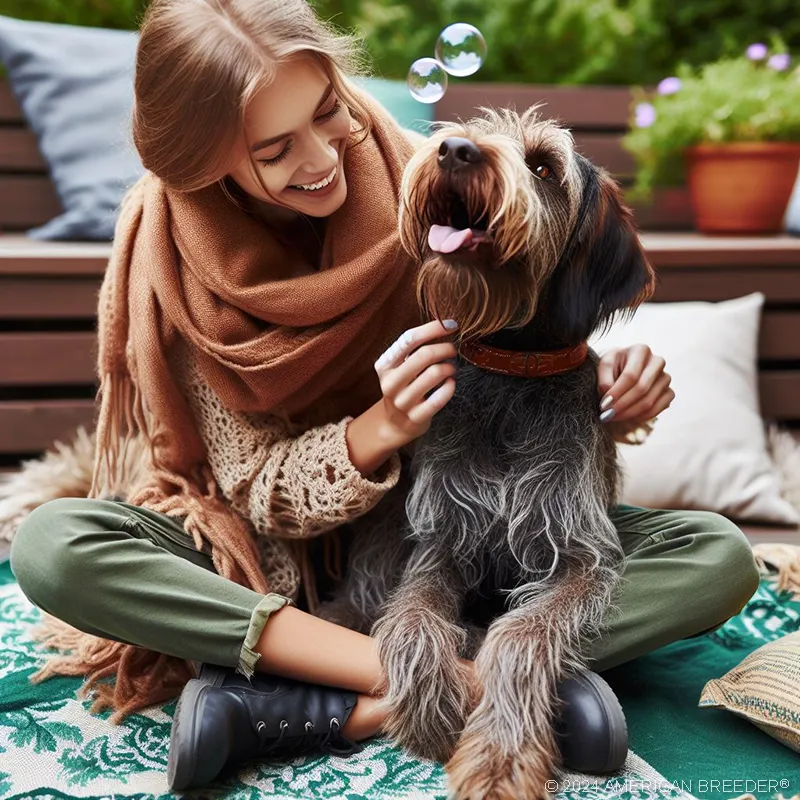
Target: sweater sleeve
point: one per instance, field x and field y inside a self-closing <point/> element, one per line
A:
<point x="287" y="485"/>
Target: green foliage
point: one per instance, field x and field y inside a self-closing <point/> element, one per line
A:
<point x="95" y="13"/>
<point x="569" y="41"/>
<point x="533" y="41"/>
<point x="731" y="100"/>
<point x="530" y="41"/>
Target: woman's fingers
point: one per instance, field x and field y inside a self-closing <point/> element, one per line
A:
<point x="395" y="380"/>
<point x="622" y="369"/>
<point x="409" y="341"/>
<point x="421" y="414"/>
<point x="633" y="432"/>
<point x="412" y="394"/>
<point x="659" y="396"/>
<point x="652" y="374"/>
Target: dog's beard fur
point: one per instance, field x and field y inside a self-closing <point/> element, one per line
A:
<point x="533" y="225"/>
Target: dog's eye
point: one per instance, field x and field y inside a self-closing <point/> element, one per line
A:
<point x="542" y="171"/>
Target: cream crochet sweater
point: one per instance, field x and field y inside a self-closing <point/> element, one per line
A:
<point x="287" y="485"/>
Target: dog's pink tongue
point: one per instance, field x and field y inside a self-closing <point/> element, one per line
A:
<point x="445" y="239"/>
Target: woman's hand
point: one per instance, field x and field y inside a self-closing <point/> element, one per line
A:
<point x="413" y="366"/>
<point x="416" y="365"/>
<point x="634" y="390"/>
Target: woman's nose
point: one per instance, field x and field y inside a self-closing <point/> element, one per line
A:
<point x="322" y="155"/>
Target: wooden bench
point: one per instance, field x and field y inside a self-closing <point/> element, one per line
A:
<point x="48" y="290"/>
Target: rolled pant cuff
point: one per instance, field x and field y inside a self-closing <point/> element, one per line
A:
<point x="266" y="607"/>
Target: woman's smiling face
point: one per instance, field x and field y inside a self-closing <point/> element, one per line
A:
<point x="296" y="130"/>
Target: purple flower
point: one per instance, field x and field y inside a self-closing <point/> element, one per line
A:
<point x="779" y="62"/>
<point x="669" y="86"/>
<point x="645" y="115"/>
<point x="757" y="52"/>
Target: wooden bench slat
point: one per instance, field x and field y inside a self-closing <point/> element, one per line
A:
<point x="24" y="257"/>
<point x="596" y="107"/>
<point x="668" y="210"/>
<point x="9" y="107"/>
<point x="671" y="250"/>
<point x="779" y="286"/>
<point x="68" y="358"/>
<point x="32" y="427"/>
<point x="48" y="298"/>
<point x="26" y="201"/>
<point x="19" y="151"/>
<point x="47" y="359"/>
<point x="606" y="150"/>
<point x="779" y="338"/>
<point x="780" y="394"/>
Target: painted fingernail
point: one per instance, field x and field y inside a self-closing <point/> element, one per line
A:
<point x="450" y="324"/>
<point x="607" y="401"/>
<point x="606" y="416"/>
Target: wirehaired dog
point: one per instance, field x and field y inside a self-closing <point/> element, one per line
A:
<point x="528" y="246"/>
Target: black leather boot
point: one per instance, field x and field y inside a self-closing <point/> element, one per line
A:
<point x="591" y="727"/>
<point x="223" y="719"/>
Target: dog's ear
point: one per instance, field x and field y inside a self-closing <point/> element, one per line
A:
<point x="606" y="271"/>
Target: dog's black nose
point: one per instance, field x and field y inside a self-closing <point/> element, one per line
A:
<point x="455" y="153"/>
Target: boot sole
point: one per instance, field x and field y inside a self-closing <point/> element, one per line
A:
<point x="182" y="765"/>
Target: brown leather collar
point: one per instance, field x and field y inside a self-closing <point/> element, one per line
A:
<point x="522" y="364"/>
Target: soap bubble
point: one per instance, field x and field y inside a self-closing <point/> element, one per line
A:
<point x="461" y="49"/>
<point x="427" y="80"/>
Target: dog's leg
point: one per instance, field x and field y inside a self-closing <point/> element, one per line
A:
<point x="508" y="749"/>
<point x="429" y="691"/>
<point x="379" y="552"/>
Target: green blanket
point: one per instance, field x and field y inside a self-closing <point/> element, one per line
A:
<point x="51" y="747"/>
<point x="707" y="749"/>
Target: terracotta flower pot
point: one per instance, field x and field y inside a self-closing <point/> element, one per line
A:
<point x="741" y="187"/>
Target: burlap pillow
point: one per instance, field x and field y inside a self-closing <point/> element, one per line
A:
<point x="765" y="689"/>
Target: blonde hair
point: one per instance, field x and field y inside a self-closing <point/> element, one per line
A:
<point x="198" y="64"/>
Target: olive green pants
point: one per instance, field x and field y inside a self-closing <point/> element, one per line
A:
<point x="133" y="575"/>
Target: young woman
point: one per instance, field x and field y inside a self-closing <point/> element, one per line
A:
<point x="256" y="281"/>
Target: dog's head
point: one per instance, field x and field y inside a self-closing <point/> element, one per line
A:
<point x="509" y="223"/>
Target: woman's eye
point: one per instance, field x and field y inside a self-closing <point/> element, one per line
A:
<point x="330" y="114"/>
<point x="335" y="108"/>
<point x="543" y="172"/>
<point x="278" y="158"/>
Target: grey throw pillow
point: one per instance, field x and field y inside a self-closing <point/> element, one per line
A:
<point x="75" y="86"/>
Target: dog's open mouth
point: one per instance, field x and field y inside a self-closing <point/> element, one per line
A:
<point x="462" y="233"/>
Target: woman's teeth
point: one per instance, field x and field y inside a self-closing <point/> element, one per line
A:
<point x="313" y="187"/>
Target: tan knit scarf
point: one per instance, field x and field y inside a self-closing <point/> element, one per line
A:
<point x="198" y="268"/>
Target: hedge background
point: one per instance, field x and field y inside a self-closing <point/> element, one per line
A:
<point x="532" y="41"/>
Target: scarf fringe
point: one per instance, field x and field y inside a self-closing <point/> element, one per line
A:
<point x="117" y="425"/>
<point x="142" y="677"/>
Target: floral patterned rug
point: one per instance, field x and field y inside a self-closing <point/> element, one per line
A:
<point x="52" y="747"/>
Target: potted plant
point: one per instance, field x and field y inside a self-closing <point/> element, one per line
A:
<point x="731" y="130"/>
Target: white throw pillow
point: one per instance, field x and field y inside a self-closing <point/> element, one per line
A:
<point x="708" y="450"/>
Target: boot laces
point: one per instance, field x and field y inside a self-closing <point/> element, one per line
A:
<point x="308" y="738"/>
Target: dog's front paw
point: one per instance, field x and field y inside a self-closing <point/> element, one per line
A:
<point x="427" y="710"/>
<point x="483" y="769"/>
